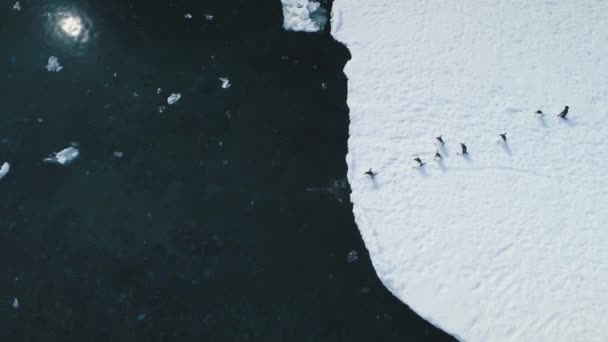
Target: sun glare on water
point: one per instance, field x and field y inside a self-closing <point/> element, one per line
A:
<point x="72" y="26"/>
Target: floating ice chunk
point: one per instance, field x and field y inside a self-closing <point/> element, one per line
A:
<point x="17" y="6"/>
<point x="173" y="98"/>
<point x="16" y="303"/>
<point x="53" y="64"/>
<point x="209" y="17"/>
<point x="161" y="109"/>
<point x="188" y="16"/>
<point x="118" y="154"/>
<point x="6" y="167"/>
<point x="158" y="91"/>
<point x="303" y="15"/>
<point x="225" y="82"/>
<point x="352" y="256"/>
<point x="141" y="316"/>
<point x="64" y="156"/>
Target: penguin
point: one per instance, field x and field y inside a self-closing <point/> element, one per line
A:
<point x="539" y="112"/>
<point x="503" y="136"/>
<point x="563" y="114"/>
<point x="371" y="173"/>
<point x="440" y="139"/>
<point x="464" y="149"/>
<point x="419" y="161"/>
<point x="438" y="156"/>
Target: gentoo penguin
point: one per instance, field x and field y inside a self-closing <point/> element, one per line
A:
<point x="371" y="173"/>
<point x="564" y="113"/>
<point x="464" y="149"/>
<point x="440" y="139"/>
<point x="419" y="161"/>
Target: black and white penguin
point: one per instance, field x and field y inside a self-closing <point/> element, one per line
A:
<point x="503" y="136"/>
<point x="464" y="149"/>
<point x="438" y="156"/>
<point x="563" y="114"/>
<point x="371" y="173"/>
<point x="419" y="161"/>
<point x="440" y="139"/>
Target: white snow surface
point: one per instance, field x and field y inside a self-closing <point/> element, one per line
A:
<point x="4" y="169"/>
<point x="303" y="15"/>
<point x="510" y="244"/>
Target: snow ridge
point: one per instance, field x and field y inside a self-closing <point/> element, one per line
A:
<point x="509" y="244"/>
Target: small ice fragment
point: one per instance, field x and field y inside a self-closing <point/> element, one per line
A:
<point x="53" y="64"/>
<point x="16" y="303"/>
<point x="188" y="16"/>
<point x="225" y="82"/>
<point x="118" y="154"/>
<point x="173" y="98"/>
<point x="135" y="94"/>
<point x="161" y="109"/>
<point x="323" y="86"/>
<point x="115" y="75"/>
<point x="6" y="167"/>
<point x="352" y="256"/>
<point x="141" y="316"/>
<point x="17" y="6"/>
<point x="158" y="91"/>
<point x="209" y="17"/>
<point x="64" y="157"/>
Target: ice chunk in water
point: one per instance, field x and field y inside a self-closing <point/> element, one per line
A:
<point x="16" y="303"/>
<point x="173" y="98"/>
<point x="64" y="156"/>
<point x="6" y="167"/>
<point x="188" y="16"/>
<point x="225" y="82"/>
<point x="303" y="15"/>
<point x="17" y="6"/>
<point x="53" y="64"/>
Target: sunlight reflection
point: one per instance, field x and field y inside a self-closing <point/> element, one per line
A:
<point x="71" y="25"/>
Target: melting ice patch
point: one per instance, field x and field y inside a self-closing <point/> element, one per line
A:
<point x="53" y="65"/>
<point x="173" y="98"/>
<point x="225" y="82"/>
<point x="303" y="15"/>
<point x="6" y="167"/>
<point x="63" y="157"/>
<point x="509" y="244"/>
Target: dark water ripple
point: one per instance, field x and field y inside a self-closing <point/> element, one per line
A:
<point x="226" y="219"/>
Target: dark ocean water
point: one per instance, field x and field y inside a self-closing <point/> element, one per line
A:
<point x="228" y="216"/>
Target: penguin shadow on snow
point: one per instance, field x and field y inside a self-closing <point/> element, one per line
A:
<point x="507" y="148"/>
<point x="422" y="170"/>
<point x="444" y="151"/>
<point x="541" y="121"/>
<point x="441" y="165"/>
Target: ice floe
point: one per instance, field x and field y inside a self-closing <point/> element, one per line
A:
<point x="173" y="98"/>
<point x="53" y="65"/>
<point x="303" y="15"/>
<point x="64" y="157"/>
<point x="6" y="167"/>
